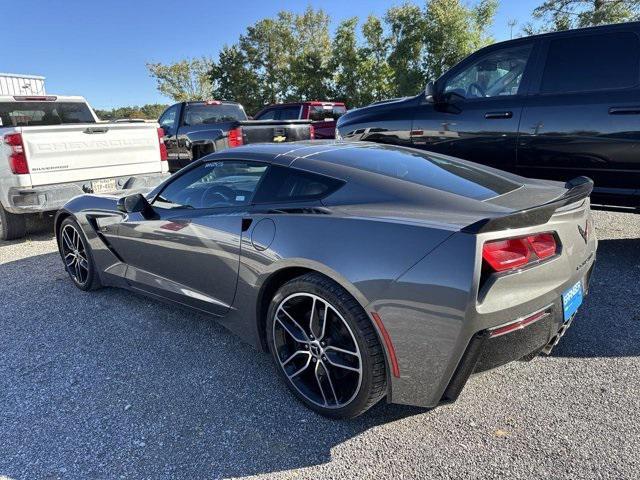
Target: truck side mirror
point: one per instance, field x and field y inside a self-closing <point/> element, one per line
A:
<point x="429" y="92"/>
<point x="133" y="203"/>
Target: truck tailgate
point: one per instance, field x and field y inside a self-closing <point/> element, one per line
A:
<point x="261" y="131"/>
<point x="71" y="153"/>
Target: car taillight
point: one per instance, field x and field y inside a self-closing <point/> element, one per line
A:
<point x="17" y="156"/>
<point x="513" y="253"/>
<point x="312" y="132"/>
<point x="543" y="244"/>
<point x="235" y="137"/>
<point x="164" y="155"/>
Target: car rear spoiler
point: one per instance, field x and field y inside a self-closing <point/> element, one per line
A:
<point x="577" y="189"/>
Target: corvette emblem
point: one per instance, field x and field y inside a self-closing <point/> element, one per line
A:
<point x="584" y="232"/>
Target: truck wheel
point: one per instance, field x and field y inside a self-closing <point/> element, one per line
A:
<point x="12" y="226"/>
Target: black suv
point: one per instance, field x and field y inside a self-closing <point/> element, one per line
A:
<point x="551" y="106"/>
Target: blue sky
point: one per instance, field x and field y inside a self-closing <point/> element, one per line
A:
<point x="98" y="49"/>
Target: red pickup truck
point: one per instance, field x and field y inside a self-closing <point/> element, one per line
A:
<point x="323" y="115"/>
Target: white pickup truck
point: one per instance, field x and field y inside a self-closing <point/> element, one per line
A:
<point x="53" y="148"/>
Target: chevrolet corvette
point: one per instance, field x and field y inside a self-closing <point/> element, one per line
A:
<point x="367" y="271"/>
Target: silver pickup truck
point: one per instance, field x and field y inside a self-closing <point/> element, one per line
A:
<point x="53" y="148"/>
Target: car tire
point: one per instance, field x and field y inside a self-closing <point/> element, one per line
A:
<point x="12" y="226"/>
<point x="347" y="331"/>
<point x="77" y="256"/>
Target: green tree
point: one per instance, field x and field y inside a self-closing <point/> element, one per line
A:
<point x="344" y="63"/>
<point x="267" y="46"/>
<point x="310" y="54"/>
<point x="233" y="79"/>
<point x="184" y="80"/>
<point x="406" y="40"/>
<point x="374" y="71"/>
<point x="554" y="15"/>
<point x="147" y="112"/>
<point x="453" y="31"/>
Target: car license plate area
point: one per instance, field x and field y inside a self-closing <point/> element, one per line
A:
<point x="103" y="185"/>
<point x="571" y="301"/>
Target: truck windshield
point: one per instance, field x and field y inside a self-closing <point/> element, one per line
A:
<point x="205" y="114"/>
<point x="28" y="114"/>
<point x="320" y="113"/>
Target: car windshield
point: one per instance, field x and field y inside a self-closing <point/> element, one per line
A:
<point x="30" y="113"/>
<point x="205" y="114"/>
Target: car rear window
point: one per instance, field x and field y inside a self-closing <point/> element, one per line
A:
<point x="26" y="114"/>
<point x="433" y="171"/>
<point x="205" y="114"/>
<point x="319" y="113"/>
<point x="592" y="62"/>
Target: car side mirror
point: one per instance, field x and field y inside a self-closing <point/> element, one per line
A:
<point x="133" y="203"/>
<point x="429" y="93"/>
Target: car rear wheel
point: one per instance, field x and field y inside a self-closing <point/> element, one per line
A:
<point x="12" y="226"/>
<point x="76" y="255"/>
<point x="325" y="347"/>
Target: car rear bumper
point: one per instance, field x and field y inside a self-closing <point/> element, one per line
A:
<point x="51" y="197"/>
<point x="486" y="350"/>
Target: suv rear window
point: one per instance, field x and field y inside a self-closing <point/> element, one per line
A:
<point x="28" y="114"/>
<point x="203" y="114"/>
<point x="319" y="113"/>
<point x="592" y="62"/>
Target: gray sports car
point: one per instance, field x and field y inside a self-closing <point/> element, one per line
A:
<point x="367" y="271"/>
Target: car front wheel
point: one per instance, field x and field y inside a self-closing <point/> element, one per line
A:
<point x="325" y="347"/>
<point x="76" y="255"/>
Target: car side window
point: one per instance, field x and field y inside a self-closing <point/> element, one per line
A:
<point x="213" y="184"/>
<point x="495" y="74"/>
<point x="168" y="120"/>
<point x="284" y="184"/>
<point x="605" y="61"/>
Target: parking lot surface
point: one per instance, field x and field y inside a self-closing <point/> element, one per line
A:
<point x="109" y="384"/>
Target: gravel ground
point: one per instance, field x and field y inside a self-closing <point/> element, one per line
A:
<point x="111" y="385"/>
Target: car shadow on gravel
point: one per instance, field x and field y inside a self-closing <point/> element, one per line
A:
<point x="110" y="384"/>
<point x="608" y="324"/>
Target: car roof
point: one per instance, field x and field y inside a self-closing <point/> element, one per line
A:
<point x="201" y="102"/>
<point x="572" y="31"/>
<point x="298" y="104"/>
<point x="58" y="98"/>
<point x="319" y="156"/>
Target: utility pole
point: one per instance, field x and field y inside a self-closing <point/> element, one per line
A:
<point x="512" y="22"/>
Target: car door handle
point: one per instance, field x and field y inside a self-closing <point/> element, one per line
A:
<point x="498" y="115"/>
<point x="624" y="110"/>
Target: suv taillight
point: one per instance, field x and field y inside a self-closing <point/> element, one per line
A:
<point x="312" y="132"/>
<point x="163" y="148"/>
<point x="17" y="156"/>
<point x="235" y="137"/>
<point x="513" y="253"/>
